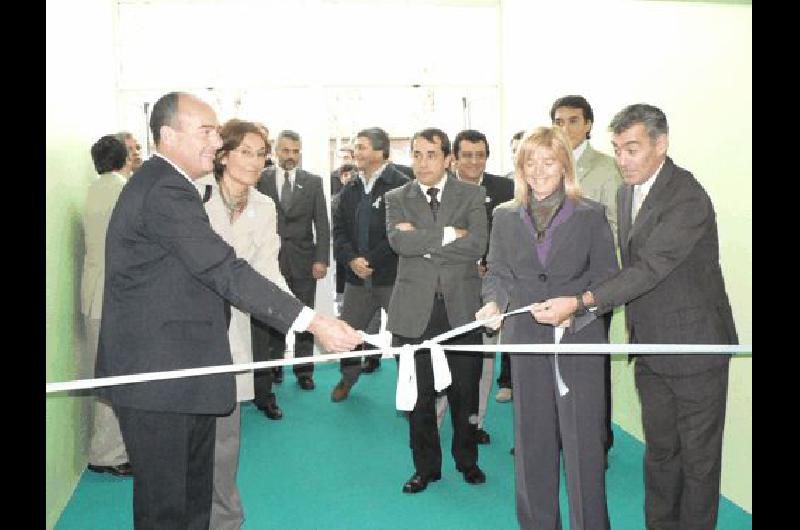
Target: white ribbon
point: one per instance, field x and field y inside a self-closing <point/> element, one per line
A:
<point x="562" y="386"/>
<point x="382" y="341"/>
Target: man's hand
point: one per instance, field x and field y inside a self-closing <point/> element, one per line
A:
<point x="488" y="311"/>
<point x="461" y="232"/>
<point x="334" y="335"/>
<point x="404" y="226"/>
<point x="482" y="270"/>
<point x="361" y="267"/>
<point x="554" y="311"/>
<point x="319" y="270"/>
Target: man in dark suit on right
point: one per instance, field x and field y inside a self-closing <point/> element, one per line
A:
<point x="672" y="287"/>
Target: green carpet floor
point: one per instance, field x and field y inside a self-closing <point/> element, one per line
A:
<point x="342" y="465"/>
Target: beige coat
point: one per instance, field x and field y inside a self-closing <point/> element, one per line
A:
<point x="254" y="237"/>
<point x="599" y="178"/>
<point x="100" y="201"/>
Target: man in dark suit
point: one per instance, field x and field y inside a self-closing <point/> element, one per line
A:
<point x="471" y="151"/>
<point x="674" y="293"/>
<point x="168" y="275"/>
<point x="437" y="225"/>
<point x="360" y="245"/>
<point x="303" y="259"/>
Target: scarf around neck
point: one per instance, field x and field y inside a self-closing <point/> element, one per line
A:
<point x="544" y="211"/>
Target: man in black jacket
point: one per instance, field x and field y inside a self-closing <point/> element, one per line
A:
<point x="168" y="275"/>
<point x="360" y="244"/>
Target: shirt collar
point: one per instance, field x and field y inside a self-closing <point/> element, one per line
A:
<point x="479" y="183"/>
<point x="375" y="176"/>
<point x="292" y="173"/>
<point x="578" y="151"/>
<point x="439" y="185"/>
<point x="178" y="169"/>
<point x="647" y="185"/>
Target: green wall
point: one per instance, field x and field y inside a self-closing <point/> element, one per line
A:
<point x="80" y="102"/>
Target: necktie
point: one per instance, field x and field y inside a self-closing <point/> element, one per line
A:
<point x="286" y="191"/>
<point x="638" y="199"/>
<point x="434" y="204"/>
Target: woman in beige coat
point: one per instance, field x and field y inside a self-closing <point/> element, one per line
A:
<point x="246" y="220"/>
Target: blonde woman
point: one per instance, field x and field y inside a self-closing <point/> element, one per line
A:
<point x="549" y="241"/>
<point x="246" y="220"/>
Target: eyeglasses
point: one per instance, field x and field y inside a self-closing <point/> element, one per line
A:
<point x="247" y="153"/>
<point x="472" y="156"/>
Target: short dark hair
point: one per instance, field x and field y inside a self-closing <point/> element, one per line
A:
<point x="470" y="135"/>
<point x="291" y="135"/>
<point x="574" y="102"/>
<point x="653" y="119"/>
<point x="378" y="139"/>
<point x="430" y="134"/>
<point x="232" y="134"/>
<point x="109" y="154"/>
<point x="164" y="112"/>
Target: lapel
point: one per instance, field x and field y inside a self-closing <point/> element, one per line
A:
<point x="268" y="186"/>
<point x="564" y="233"/>
<point x="418" y="205"/>
<point x="452" y="196"/>
<point x="528" y="228"/>
<point x="653" y="199"/>
<point x="583" y="164"/>
<point x="298" y="188"/>
<point x="624" y="214"/>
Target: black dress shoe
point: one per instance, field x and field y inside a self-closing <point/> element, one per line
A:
<point x="370" y="365"/>
<point x="272" y="411"/>
<point x="305" y="382"/>
<point x="419" y="482"/>
<point x="277" y="375"/>
<point x="474" y="475"/>
<point x="121" y="470"/>
<point x="482" y="437"/>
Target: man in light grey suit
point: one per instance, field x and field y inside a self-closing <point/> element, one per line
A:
<point x="672" y="287"/>
<point x="599" y="178"/>
<point x="111" y="159"/>
<point x="437" y="226"/>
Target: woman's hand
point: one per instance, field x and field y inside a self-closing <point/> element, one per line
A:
<point x="488" y="311"/>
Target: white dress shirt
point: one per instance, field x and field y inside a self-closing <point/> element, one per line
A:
<point x="640" y="192"/>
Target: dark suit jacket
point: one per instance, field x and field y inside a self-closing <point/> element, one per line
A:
<point x="580" y="257"/>
<point x="452" y="267"/>
<point x="671" y="281"/>
<point x="298" y="247"/>
<point x="405" y="170"/>
<point x="498" y="191"/>
<point x="167" y="273"/>
<point x="345" y="234"/>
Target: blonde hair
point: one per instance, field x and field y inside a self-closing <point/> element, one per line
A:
<point x="555" y="139"/>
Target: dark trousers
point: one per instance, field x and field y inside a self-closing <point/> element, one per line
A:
<point x="261" y="335"/>
<point x="607" y="377"/>
<point x="305" y="290"/>
<point x="462" y="395"/>
<point x="504" y="379"/>
<point x="173" y="455"/>
<point x="683" y="418"/>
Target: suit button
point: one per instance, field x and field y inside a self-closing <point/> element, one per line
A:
<point x="543" y="277"/>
